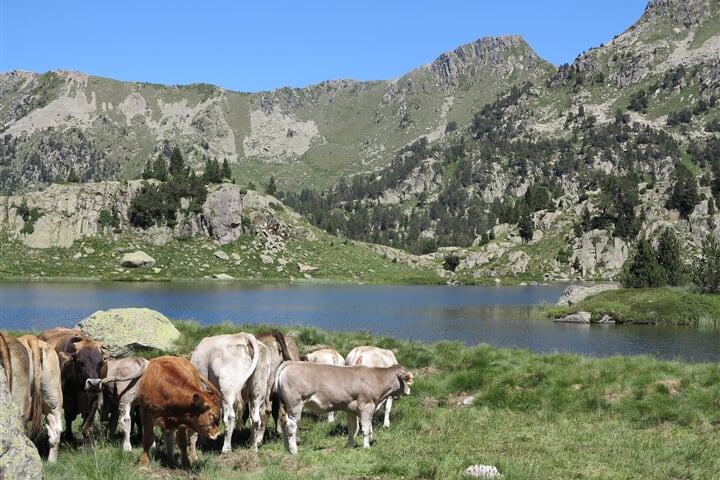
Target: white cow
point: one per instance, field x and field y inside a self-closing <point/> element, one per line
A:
<point x="326" y="356"/>
<point x="120" y="388"/>
<point x="228" y="361"/>
<point x="373" y="357"/>
<point x="355" y="390"/>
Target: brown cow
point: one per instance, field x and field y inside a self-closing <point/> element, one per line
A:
<point x="355" y="390"/>
<point x="82" y="361"/>
<point x="173" y="396"/>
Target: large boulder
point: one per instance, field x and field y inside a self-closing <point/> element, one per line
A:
<point x="19" y="459"/>
<point x="138" y="259"/>
<point x="125" y="331"/>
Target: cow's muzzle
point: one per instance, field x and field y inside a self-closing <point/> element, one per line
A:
<point x="93" y="384"/>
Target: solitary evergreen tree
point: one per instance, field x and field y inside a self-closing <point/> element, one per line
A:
<point x="159" y="169"/>
<point x="271" y="187"/>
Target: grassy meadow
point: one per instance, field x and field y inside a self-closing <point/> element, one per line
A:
<point x="559" y="416"/>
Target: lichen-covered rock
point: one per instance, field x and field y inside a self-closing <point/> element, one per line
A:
<point x="576" y="293"/>
<point x="125" y="331"/>
<point x="19" y="459"/>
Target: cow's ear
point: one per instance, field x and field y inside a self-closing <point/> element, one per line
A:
<point x="197" y="401"/>
<point x="64" y="357"/>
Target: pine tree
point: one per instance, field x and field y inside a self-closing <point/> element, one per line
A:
<point x="706" y="270"/>
<point x="225" y="172"/>
<point x="669" y="258"/>
<point x="177" y="164"/>
<point x="159" y="169"/>
<point x="642" y="270"/>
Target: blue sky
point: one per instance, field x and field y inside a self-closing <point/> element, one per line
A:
<point x="268" y="44"/>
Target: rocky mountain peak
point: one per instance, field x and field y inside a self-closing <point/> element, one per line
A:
<point x="685" y="13"/>
<point x="496" y="55"/>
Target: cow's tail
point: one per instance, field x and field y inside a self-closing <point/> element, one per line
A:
<point x="254" y="349"/>
<point x="280" y="338"/>
<point x="36" y="419"/>
<point x="6" y="361"/>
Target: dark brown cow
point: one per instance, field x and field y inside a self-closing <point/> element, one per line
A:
<point x="357" y="391"/>
<point x="82" y="362"/>
<point x="175" y="397"/>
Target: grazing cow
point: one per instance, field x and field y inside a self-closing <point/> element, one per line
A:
<point x="282" y="349"/>
<point x="230" y="362"/>
<point x="175" y="397"/>
<point x="373" y="357"/>
<point x="355" y="390"/>
<point x="120" y="389"/>
<point x="45" y="360"/>
<point x="82" y="362"/>
<point x="327" y="356"/>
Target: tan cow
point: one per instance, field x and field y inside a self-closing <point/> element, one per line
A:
<point x="355" y="390"/>
<point x="120" y="388"/>
<point x="33" y="373"/>
<point x="173" y="396"/>
<point x="82" y="362"/>
<point x="51" y="398"/>
<point x="326" y="356"/>
<point x="371" y="356"/>
<point x="238" y="366"/>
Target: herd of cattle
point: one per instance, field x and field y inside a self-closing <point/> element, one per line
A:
<point x="63" y="371"/>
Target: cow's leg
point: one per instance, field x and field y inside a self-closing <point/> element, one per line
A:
<point x="352" y="427"/>
<point x="257" y="407"/>
<point x="148" y="437"/>
<point x="192" y="439"/>
<point x="388" y="407"/>
<point x="366" y="415"/>
<point x="126" y="422"/>
<point x="229" y="419"/>
<point x="53" y="422"/>
<point x="331" y="417"/>
<point x="169" y="437"/>
<point x="70" y="414"/>
<point x="182" y="441"/>
<point x="87" y="428"/>
<point x="290" y="426"/>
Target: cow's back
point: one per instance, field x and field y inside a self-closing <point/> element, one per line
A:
<point x="371" y="356"/>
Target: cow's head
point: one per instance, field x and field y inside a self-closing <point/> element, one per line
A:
<point x="206" y="410"/>
<point x="406" y="379"/>
<point x="85" y="362"/>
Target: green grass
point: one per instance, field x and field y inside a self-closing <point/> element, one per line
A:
<point x="534" y="417"/>
<point x="667" y="306"/>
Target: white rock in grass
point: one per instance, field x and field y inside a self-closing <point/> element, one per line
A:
<point x="482" y="471"/>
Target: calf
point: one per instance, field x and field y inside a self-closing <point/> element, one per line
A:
<point x="327" y="356"/>
<point x="355" y="390"/>
<point x="373" y="357"/>
<point x="173" y="396"/>
<point x="120" y="389"/>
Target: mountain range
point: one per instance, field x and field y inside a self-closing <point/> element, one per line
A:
<point x="489" y="151"/>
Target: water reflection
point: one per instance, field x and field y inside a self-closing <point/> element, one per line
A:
<point x="499" y="316"/>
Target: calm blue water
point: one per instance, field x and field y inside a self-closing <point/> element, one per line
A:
<point x="498" y="316"/>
